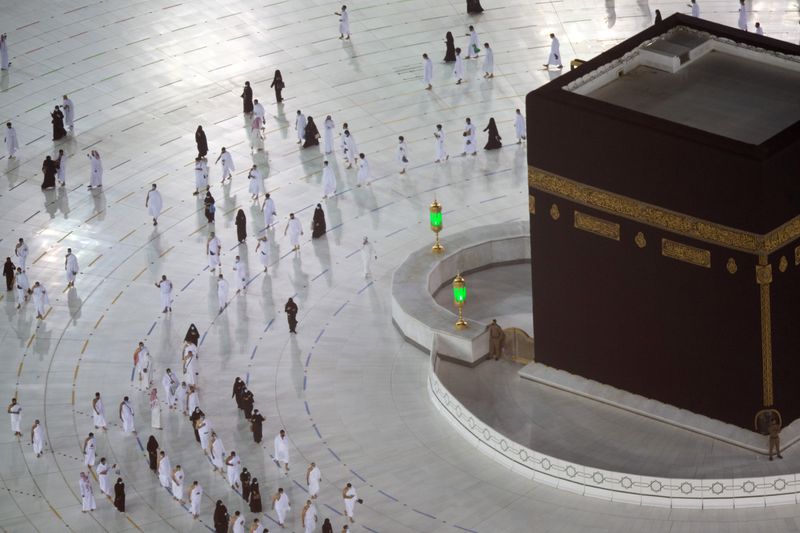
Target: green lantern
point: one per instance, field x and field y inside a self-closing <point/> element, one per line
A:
<point x="435" y="212"/>
<point x="459" y="299"/>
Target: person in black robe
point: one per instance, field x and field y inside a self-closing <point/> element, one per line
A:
<point x="256" y="424"/>
<point x="57" y="118"/>
<point x="326" y="526"/>
<point x="494" y="136"/>
<point x="312" y="134"/>
<point x="291" y="314"/>
<point x="196" y="415"/>
<point x="152" y="453"/>
<point x="474" y="6"/>
<point x="450" y="53"/>
<point x="221" y="518"/>
<point x="247" y="403"/>
<point x="192" y="335"/>
<point x="241" y="226"/>
<point x="658" y="17"/>
<point x="238" y="389"/>
<point x="247" y="98"/>
<point x="119" y="495"/>
<point x="255" y="497"/>
<point x="277" y="83"/>
<point x="202" y="143"/>
<point x="244" y="477"/>
<point x="49" y="168"/>
<point x="318" y="226"/>
<point x="210" y="207"/>
<point x="9" y="271"/>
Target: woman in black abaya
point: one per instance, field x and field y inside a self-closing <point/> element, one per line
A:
<point x="58" y="124"/>
<point x="318" y="227"/>
<point x="49" y="169"/>
<point x="494" y="136"/>
<point x="241" y="226"/>
<point x="450" y="53"/>
<point x="312" y="134"/>
<point x="192" y="335"/>
<point x="152" y="453"/>
<point x="277" y="83"/>
<point x="202" y="143"/>
<point x="221" y="518"/>
<point x="210" y="207"/>
<point x="474" y="6"/>
<point x="119" y="495"/>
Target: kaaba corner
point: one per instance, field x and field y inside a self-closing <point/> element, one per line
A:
<point x="664" y="182"/>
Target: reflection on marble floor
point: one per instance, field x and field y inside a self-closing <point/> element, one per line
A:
<point x="347" y="389"/>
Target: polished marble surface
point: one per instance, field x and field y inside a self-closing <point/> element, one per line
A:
<point x="142" y="75"/>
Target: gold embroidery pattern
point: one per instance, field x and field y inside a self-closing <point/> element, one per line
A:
<point x="532" y="204"/>
<point x="640" y="241"/>
<point x="598" y="226"/>
<point x="783" y="264"/>
<point x="764" y="278"/>
<point x="797" y="256"/>
<point x="672" y="221"/>
<point x="731" y="266"/>
<point x="554" y="212"/>
<point x="686" y="253"/>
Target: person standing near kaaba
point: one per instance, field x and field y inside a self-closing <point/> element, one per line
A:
<point x="774" y="437"/>
<point x="496" y="338"/>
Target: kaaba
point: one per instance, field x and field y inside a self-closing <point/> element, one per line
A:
<point x="664" y="181"/>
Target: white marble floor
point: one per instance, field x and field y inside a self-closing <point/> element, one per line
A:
<point x="350" y="393"/>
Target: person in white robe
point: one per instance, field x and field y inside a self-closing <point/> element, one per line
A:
<point x="470" y="138"/>
<point x="234" y="465"/>
<point x="262" y="249"/>
<point x="256" y="182"/>
<point x="240" y="270"/>
<point x="37" y="438"/>
<point x="488" y="62"/>
<point x="309" y="517"/>
<point x="15" y="412"/>
<point x="350" y="148"/>
<point x="12" y="144"/>
<point x="344" y="23"/>
<point x="427" y="72"/>
<point x="71" y="267"/>
<point x="519" y="126"/>
<point x="257" y="527"/>
<point x="300" y="126"/>
<point x="182" y="392"/>
<point x="164" y="471"/>
<point x="21" y="252"/>
<point x="40" y="299"/>
<point x="102" y="476"/>
<point x="213" y="248"/>
<point x="177" y="483"/>
<point x="223" y="288"/>
<point x="280" y="502"/>
<point x="98" y="412"/>
<point x="96" y="166"/>
<point x="281" y="449"/>
<point x="472" y="43"/>
<point x="195" y="497"/>
<point x="269" y="211"/>
<point x="313" y="479"/>
<point x="155" y="409"/>
<point x="165" y="286"/>
<point x="89" y="444"/>
<point x="258" y="111"/>
<point x="695" y="8"/>
<point x="402" y="154"/>
<point x="295" y="230"/>
<point x="69" y="112"/>
<point x="759" y="29"/>
<point x="364" y="177"/>
<point x="350" y="498"/>
<point x="204" y="431"/>
<point x="458" y="67"/>
<point x="367" y="255"/>
<point x="22" y="286"/>
<point x="555" y="52"/>
<point x="189" y="371"/>
<point x="4" y="62"/>
<point x="87" y="493"/>
<point x="216" y="452"/>
<point x="200" y="175"/>
<point x="126" y="415"/>
<point x="256" y="139"/>
<point x="143" y="364"/>
<point x="61" y="168"/>
<point x="170" y="384"/>
<point x="153" y="203"/>
<point x="328" y="180"/>
<point x="327" y="134"/>
<point x="227" y="164"/>
<point x="237" y="523"/>
<point x="742" y="16"/>
<point x="441" y="149"/>
<point x="193" y="400"/>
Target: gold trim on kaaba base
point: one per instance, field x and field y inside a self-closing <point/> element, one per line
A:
<point x="598" y="226"/>
<point x="764" y="278"/>
<point x="665" y="219"/>
<point x="686" y="253"/>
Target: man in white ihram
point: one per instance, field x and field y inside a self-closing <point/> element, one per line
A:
<point x="71" y="267"/>
<point x="223" y="288"/>
<point x="166" y="293"/>
<point x="313" y="479"/>
<point x="126" y="415"/>
<point x="555" y="53"/>
<point x="282" y="450"/>
<point x="153" y="203"/>
<point x="213" y="247"/>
